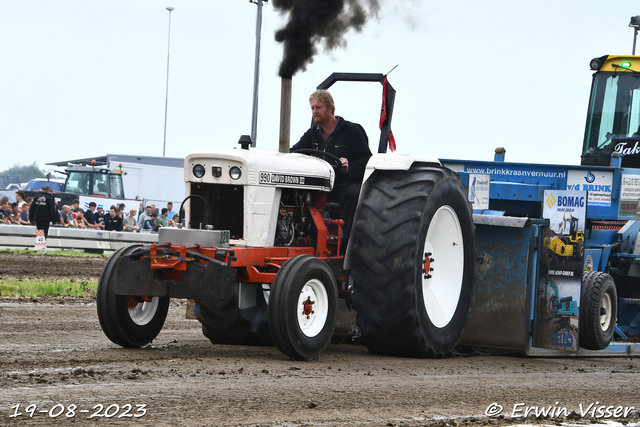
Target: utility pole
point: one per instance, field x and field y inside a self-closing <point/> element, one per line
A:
<point x="166" y="99"/>
<point x="256" y="73"/>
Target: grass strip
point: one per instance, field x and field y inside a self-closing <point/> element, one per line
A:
<point x="48" y="287"/>
<point x="58" y="252"/>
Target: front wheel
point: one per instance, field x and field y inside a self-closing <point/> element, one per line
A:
<point x="302" y="307"/>
<point x="127" y="320"/>
<point x="598" y="310"/>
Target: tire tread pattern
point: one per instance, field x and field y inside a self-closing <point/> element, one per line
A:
<point x="384" y="254"/>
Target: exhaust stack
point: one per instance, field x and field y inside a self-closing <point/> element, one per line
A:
<point x="285" y="115"/>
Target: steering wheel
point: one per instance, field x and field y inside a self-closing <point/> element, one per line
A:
<point x="313" y="152"/>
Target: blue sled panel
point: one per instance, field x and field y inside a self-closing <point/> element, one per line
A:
<point x="506" y="277"/>
<point x="506" y="270"/>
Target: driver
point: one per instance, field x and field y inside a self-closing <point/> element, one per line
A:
<point x="345" y="140"/>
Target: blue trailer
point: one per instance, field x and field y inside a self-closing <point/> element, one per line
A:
<point x="510" y="225"/>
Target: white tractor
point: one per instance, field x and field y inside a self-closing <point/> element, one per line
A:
<point x="260" y="254"/>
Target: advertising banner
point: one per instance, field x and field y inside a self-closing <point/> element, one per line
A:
<point x="560" y="278"/>
<point x="479" y="191"/>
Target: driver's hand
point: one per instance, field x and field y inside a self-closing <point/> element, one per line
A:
<point x="345" y="165"/>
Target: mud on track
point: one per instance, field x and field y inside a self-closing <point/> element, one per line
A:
<point x="48" y="267"/>
<point x="54" y="352"/>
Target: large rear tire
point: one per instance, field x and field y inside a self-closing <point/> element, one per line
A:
<point x="598" y="310"/>
<point x="303" y="307"/>
<point x="129" y="321"/>
<point x="412" y="261"/>
<point x="223" y="322"/>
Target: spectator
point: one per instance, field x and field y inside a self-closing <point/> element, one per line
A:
<point x="14" y="213"/>
<point x="20" y="196"/>
<point x="174" y="221"/>
<point x="144" y="216"/>
<point x="90" y="217"/>
<point x="122" y="208"/>
<point x="151" y="222"/>
<point x="4" y="209"/>
<point x="75" y="205"/>
<point x="66" y="217"/>
<point x="170" y="212"/>
<point x="153" y="209"/>
<point x="112" y="222"/>
<point x="130" y="222"/>
<point x="81" y="220"/>
<point x="43" y="210"/>
<point x="162" y="220"/>
<point x="99" y="217"/>
<point x="24" y="215"/>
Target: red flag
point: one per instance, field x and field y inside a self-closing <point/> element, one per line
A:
<point x="383" y="114"/>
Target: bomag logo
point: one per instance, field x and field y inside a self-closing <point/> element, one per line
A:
<point x="551" y="200"/>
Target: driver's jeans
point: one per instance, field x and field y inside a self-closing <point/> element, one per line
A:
<point x="346" y="195"/>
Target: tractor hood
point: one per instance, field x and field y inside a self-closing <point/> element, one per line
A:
<point x="257" y="166"/>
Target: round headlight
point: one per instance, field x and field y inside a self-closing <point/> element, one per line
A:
<point x="198" y="171"/>
<point x="235" y="172"/>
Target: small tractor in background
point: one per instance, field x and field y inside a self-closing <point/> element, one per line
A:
<point x="260" y="254"/>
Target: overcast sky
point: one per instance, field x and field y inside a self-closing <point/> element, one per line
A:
<point x="85" y="78"/>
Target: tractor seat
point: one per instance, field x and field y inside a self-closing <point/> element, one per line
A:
<point x="333" y="209"/>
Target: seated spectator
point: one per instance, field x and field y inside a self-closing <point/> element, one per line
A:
<point x="90" y="216"/>
<point x="24" y="215"/>
<point x="113" y="222"/>
<point x="151" y="222"/>
<point x="130" y="222"/>
<point x="144" y="216"/>
<point x="162" y="219"/>
<point x="14" y="213"/>
<point x="175" y="220"/>
<point x="64" y="216"/>
<point x="100" y="216"/>
<point x="81" y="220"/>
<point x="5" y="210"/>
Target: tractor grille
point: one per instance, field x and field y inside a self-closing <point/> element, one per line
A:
<point x="224" y="208"/>
<point x="607" y="225"/>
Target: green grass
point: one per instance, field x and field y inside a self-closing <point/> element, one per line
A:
<point x="58" y="252"/>
<point x="48" y="287"/>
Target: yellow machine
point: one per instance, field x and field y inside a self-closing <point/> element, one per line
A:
<point x="571" y="244"/>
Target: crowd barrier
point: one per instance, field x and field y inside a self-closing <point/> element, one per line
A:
<point x="21" y="236"/>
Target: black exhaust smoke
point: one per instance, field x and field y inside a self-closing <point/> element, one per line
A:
<point x="314" y="22"/>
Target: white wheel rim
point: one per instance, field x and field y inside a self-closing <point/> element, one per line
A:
<point x="605" y="319"/>
<point x="441" y="287"/>
<point x="144" y="312"/>
<point x="312" y="318"/>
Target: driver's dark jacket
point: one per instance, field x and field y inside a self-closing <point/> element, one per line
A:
<point x="347" y="140"/>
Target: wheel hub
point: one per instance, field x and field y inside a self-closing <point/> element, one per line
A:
<point x="308" y="307"/>
<point x="142" y="309"/>
<point x="441" y="292"/>
<point x="313" y="308"/>
<point x="426" y="265"/>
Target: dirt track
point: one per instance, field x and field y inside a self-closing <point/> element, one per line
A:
<point x="54" y="352"/>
